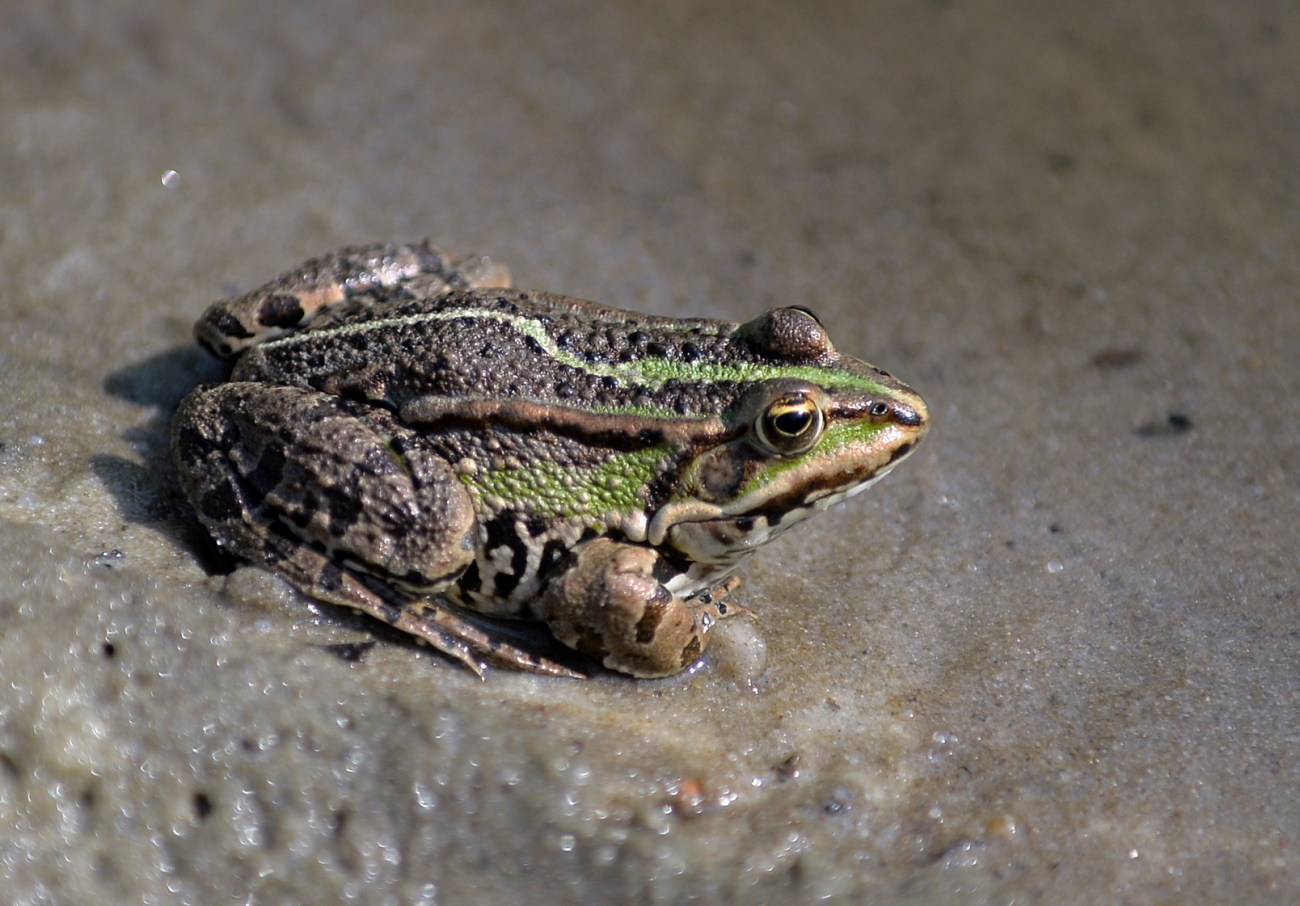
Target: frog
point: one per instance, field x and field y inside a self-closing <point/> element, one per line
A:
<point x="404" y="433"/>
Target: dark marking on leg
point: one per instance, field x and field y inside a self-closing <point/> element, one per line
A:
<point x="552" y="552"/>
<point x="502" y="531"/>
<point x="655" y="610"/>
<point x="692" y="651"/>
<point x="470" y="580"/>
<point x="280" y="310"/>
<point x="219" y="501"/>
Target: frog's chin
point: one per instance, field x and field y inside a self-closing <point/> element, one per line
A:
<point x="710" y="533"/>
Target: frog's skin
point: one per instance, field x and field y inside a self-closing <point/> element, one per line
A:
<point x="404" y="434"/>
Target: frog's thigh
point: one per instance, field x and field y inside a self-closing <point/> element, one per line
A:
<point x="608" y="604"/>
<point x="258" y="459"/>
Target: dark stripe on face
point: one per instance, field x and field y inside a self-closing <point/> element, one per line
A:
<point x="796" y="500"/>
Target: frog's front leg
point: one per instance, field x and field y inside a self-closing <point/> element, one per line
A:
<point x="341" y="502"/>
<point x="607" y="602"/>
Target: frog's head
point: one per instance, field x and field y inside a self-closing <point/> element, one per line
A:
<point x="814" y="428"/>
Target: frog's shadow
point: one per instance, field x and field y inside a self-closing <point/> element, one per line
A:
<point x="148" y="493"/>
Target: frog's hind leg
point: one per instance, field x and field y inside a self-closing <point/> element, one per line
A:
<point x="325" y="492"/>
<point x="320" y="578"/>
<point x="353" y="277"/>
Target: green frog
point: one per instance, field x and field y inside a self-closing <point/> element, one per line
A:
<point x="405" y="434"/>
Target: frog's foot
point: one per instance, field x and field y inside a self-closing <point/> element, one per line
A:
<point x="716" y="597"/>
<point x="608" y="603"/>
<point x="350" y="277"/>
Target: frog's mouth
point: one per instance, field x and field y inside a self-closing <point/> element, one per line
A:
<point x="774" y="499"/>
<point x="799" y="496"/>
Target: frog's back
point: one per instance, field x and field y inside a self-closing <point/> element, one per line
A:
<point x="505" y="343"/>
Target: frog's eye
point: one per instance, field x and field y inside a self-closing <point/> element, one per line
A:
<point x="792" y="423"/>
<point x="804" y="309"/>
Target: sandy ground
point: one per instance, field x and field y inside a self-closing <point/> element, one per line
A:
<point x="1053" y="659"/>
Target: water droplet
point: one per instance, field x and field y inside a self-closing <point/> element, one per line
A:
<point x="1055" y="566"/>
<point x="171" y="179"/>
